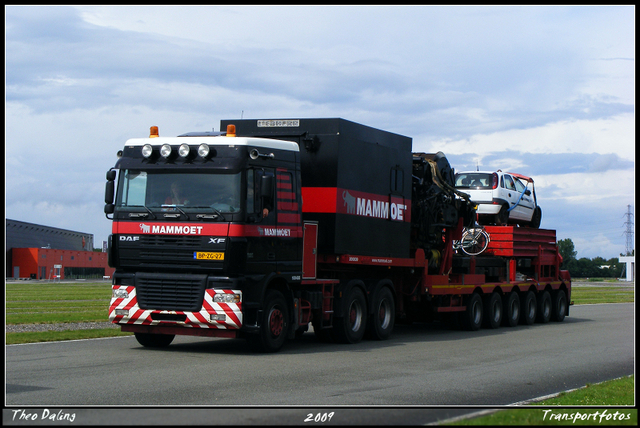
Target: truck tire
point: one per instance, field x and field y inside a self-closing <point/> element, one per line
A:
<point x="492" y="316"/>
<point x="558" y="306"/>
<point x="149" y="340"/>
<point x="472" y="316"/>
<point x="511" y="304"/>
<point x="382" y="319"/>
<point x="274" y="324"/>
<point x="351" y="327"/>
<point x="544" y="308"/>
<point x="528" y="308"/>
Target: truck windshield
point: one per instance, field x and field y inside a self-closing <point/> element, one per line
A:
<point x="163" y="190"/>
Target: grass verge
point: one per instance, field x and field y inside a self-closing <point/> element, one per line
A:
<point x="54" y="336"/>
<point x="617" y="392"/>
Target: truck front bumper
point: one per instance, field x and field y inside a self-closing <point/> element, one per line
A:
<point x="221" y="310"/>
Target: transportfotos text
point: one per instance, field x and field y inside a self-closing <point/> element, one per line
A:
<point x="597" y="416"/>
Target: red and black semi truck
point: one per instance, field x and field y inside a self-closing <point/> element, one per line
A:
<point x="276" y="226"/>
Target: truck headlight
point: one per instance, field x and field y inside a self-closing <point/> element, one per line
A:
<point x="203" y="150"/>
<point x="184" y="150"/>
<point x="226" y="298"/>
<point x="120" y="293"/>
<point x="165" y="150"/>
<point x="147" y="150"/>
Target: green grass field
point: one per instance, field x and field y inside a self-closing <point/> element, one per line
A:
<point x="607" y="294"/>
<point x="34" y="303"/>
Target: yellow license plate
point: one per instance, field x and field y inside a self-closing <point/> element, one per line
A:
<point x="208" y="256"/>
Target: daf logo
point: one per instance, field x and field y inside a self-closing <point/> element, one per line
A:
<point x="129" y="238"/>
<point x="217" y="240"/>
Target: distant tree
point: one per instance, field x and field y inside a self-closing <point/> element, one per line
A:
<point x="568" y="252"/>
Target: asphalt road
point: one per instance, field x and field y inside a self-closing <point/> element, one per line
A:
<point x="424" y="373"/>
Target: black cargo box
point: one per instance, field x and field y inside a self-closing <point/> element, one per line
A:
<point x="356" y="182"/>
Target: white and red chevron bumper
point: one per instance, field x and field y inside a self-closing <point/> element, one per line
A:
<point x="214" y="319"/>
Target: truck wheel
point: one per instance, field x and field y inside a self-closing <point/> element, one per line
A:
<point x="544" y="308"/>
<point x="511" y="303"/>
<point x="492" y="310"/>
<point x="382" y="319"/>
<point x="472" y="316"/>
<point x="528" y="308"/>
<point x="154" y="340"/>
<point x="559" y="306"/>
<point x="351" y="327"/>
<point x="274" y="324"/>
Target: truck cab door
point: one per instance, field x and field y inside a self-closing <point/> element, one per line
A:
<point x="261" y="222"/>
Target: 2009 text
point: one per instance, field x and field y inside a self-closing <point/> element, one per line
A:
<point x="319" y="417"/>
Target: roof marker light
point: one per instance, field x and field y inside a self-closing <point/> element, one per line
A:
<point x="153" y="132"/>
<point x="231" y="130"/>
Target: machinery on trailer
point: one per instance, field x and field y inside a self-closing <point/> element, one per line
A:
<point x="280" y="225"/>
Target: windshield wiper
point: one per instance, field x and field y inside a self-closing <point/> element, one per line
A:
<point x="143" y="214"/>
<point x="213" y="216"/>
<point x="179" y="209"/>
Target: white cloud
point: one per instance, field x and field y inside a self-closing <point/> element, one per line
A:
<point x="607" y="135"/>
<point x="542" y="89"/>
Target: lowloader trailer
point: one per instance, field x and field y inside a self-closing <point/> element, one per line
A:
<point x="275" y="226"/>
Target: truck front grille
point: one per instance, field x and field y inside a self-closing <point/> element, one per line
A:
<point x="170" y="292"/>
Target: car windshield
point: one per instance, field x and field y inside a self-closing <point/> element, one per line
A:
<point x="167" y="190"/>
<point x="474" y="180"/>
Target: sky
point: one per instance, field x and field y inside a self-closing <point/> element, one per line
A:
<point x="544" y="91"/>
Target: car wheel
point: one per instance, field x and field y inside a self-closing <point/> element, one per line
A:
<point x="536" y="218"/>
<point x="502" y="218"/>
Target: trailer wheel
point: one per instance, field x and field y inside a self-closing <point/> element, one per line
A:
<point x="382" y="319"/>
<point x="544" y="308"/>
<point x="511" y="303"/>
<point x="559" y="306"/>
<point x="472" y="316"/>
<point x="351" y="327"/>
<point x="150" y="340"/>
<point x="274" y="324"/>
<point x="492" y="310"/>
<point x="528" y="308"/>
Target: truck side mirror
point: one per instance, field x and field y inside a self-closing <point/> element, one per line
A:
<point x="266" y="186"/>
<point x="109" y="191"/>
